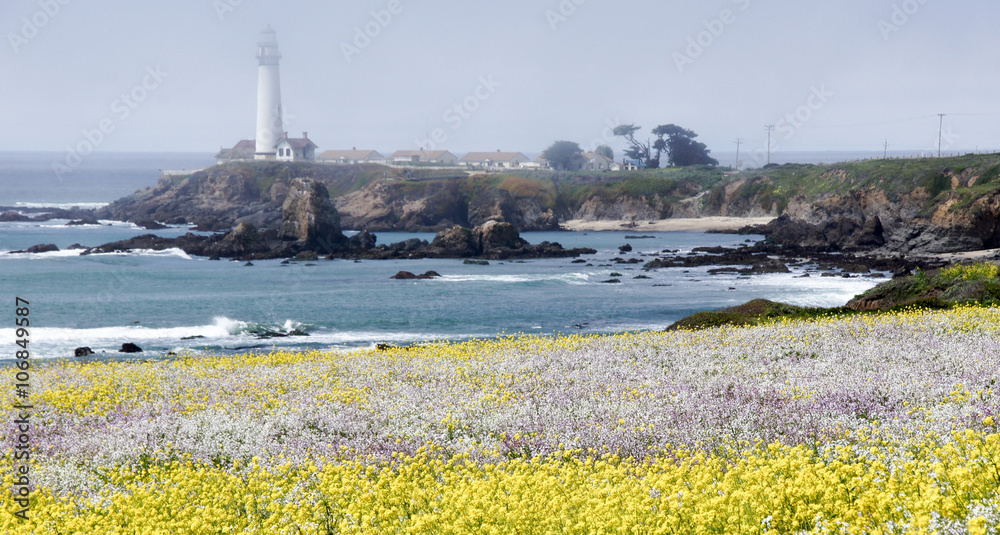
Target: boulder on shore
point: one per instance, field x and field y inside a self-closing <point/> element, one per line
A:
<point x="129" y="347"/>
<point x="82" y="351"/>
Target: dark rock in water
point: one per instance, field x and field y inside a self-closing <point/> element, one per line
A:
<point x="641" y="277"/>
<point x="476" y="262"/>
<point x="195" y="337"/>
<point x="12" y="216"/>
<point x="457" y="241"/>
<point x="306" y="256"/>
<point x="769" y="265"/>
<point x="41" y="248"/>
<point x="611" y="281"/>
<point x="643" y="237"/>
<point x="74" y="247"/>
<point x="856" y="268"/>
<point x="242" y="241"/>
<point x="492" y="240"/>
<point x="406" y="275"/>
<point x="627" y="248"/>
<point x="45" y="248"/>
<point x="82" y="351"/>
<point x="578" y="261"/>
<point x="496" y="235"/>
<point x="615" y="274"/>
<point x="149" y="224"/>
<point x="362" y="241"/>
<point x="309" y="217"/>
<point x="129" y="347"/>
<point x="248" y="264"/>
<point x="84" y="221"/>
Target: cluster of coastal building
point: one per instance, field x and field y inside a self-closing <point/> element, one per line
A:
<point x="272" y="143"/>
<point x="303" y="149"/>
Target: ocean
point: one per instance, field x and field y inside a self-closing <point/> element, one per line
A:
<point x="168" y="302"/>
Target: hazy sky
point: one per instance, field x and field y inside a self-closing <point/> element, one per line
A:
<point x="513" y="74"/>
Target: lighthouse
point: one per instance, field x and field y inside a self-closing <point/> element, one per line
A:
<point x="271" y="141"/>
<point x="269" y="126"/>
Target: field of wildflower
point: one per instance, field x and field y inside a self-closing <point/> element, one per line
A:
<point x="864" y="424"/>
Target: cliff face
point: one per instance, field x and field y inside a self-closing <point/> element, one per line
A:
<point x="224" y="196"/>
<point x="911" y="222"/>
<point x="434" y="205"/>
<point x="908" y="206"/>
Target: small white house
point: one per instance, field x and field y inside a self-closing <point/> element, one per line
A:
<point x="439" y="157"/>
<point x="595" y="162"/>
<point x="494" y="160"/>
<point x="295" y="149"/>
<point x="353" y="156"/>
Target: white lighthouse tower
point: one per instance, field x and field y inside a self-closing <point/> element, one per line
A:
<point x="269" y="126"/>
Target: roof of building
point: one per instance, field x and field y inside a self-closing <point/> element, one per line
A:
<point x="296" y="142"/>
<point x="493" y="156"/>
<point x="243" y="150"/>
<point x="422" y="154"/>
<point x="594" y="155"/>
<point x="352" y="154"/>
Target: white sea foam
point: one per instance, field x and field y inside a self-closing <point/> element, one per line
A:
<point x="222" y="332"/>
<point x="172" y="252"/>
<point x="62" y="205"/>
<point x="569" y="278"/>
<point x="39" y="256"/>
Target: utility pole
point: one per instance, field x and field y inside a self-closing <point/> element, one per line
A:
<point x="885" y="150"/>
<point x="738" y="141"/>
<point x="769" y="128"/>
<point x="940" y="130"/>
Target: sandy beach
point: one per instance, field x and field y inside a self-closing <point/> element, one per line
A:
<point x="689" y="224"/>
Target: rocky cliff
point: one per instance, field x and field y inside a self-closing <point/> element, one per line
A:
<point x="909" y="206"/>
<point x="223" y="196"/>
<point x="894" y="206"/>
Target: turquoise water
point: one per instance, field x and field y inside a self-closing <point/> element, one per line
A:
<point x="170" y="302"/>
<point x="157" y="299"/>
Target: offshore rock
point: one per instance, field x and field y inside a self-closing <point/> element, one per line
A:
<point x="493" y="240"/>
<point x="308" y="217"/>
<point x="35" y="249"/>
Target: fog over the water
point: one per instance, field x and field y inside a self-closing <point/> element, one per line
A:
<point x="513" y="75"/>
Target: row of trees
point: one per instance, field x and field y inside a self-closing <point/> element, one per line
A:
<point x="677" y="143"/>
